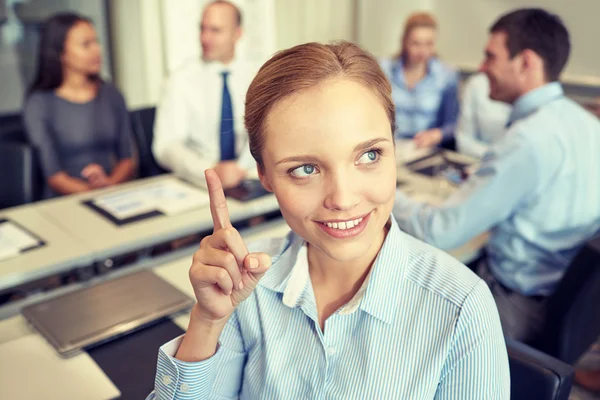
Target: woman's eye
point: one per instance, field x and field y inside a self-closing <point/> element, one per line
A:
<point x="303" y="171"/>
<point x="368" y="157"/>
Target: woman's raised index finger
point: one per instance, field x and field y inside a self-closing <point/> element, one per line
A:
<point x="218" y="204"/>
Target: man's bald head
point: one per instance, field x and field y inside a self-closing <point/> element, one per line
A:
<point x="237" y="14"/>
<point x="220" y="30"/>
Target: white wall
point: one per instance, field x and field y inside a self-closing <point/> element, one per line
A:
<point x="380" y="23"/>
<point x="138" y="58"/>
<point x="464" y="28"/>
<point x="181" y="30"/>
<point x="152" y="37"/>
<point x="314" y="21"/>
<point x="465" y="25"/>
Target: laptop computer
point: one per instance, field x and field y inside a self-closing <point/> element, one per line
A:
<point x="105" y="311"/>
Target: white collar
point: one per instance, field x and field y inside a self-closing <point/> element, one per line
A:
<point x="299" y="280"/>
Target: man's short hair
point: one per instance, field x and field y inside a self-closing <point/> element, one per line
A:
<point x="539" y="31"/>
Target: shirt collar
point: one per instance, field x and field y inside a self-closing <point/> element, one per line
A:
<point x="377" y="296"/>
<point x="533" y="100"/>
<point x="218" y="67"/>
<point x="383" y="292"/>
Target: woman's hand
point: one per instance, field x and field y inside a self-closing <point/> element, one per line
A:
<point x="223" y="273"/>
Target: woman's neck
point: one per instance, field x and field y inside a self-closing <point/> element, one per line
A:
<point x="342" y="276"/>
<point x="77" y="87"/>
<point x="77" y="81"/>
<point x="414" y="73"/>
<point x="336" y="282"/>
<point x="412" y="67"/>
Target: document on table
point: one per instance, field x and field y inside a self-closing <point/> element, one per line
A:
<point x="14" y="239"/>
<point x="33" y="370"/>
<point x="168" y="197"/>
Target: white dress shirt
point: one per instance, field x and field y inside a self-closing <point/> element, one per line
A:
<point x="482" y="121"/>
<point x="188" y="119"/>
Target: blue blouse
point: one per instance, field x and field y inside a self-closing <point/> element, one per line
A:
<point x="432" y="103"/>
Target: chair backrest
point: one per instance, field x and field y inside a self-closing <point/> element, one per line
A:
<point x="535" y="375"/>
<point x="573" y="319"/>
<point x="12" y="129"/>
<point x="143" y="128"/>
<point x="19" y="180"/>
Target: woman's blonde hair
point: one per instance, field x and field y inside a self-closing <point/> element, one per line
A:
<point x="306" y="66"/>
<point x="416" y="20"/>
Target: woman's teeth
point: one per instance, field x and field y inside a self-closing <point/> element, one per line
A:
<point x="344" y="225"/>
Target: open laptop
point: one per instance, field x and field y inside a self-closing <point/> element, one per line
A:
<point x="105" y="311"/>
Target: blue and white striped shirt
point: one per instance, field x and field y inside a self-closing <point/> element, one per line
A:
<point x="424" y="327"/>
<point x="432" y="103"/>
<point x="536" y="191"/>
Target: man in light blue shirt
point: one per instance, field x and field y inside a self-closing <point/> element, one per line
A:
<point x="536" y="190"/>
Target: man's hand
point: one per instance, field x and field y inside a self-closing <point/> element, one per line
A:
<point x="229" y="173"/>
<point x="428" y="138"/>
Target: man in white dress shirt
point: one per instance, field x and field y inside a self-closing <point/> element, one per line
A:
<point x="199" y="122"/>
<point x="482" y="121"/>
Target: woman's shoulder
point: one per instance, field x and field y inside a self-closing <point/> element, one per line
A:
<point x="37" y="102"/>
<point x="387" y="64"/>
<point x="109" y="90"/>
<point x="434" y="270"/>
<point x="38" y="97"/>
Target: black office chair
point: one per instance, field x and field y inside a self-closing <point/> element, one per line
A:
<point x="573" y="320"/>
<point x="143" y="128"/>
<point x="19" y="180"/>
<point x="12" y="129"/>
<point x="535" y="375"/>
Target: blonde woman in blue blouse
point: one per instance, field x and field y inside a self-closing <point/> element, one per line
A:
<point x="346" y="305"/>
<point x="424" y="89"/>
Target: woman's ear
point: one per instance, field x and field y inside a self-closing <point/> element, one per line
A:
<point x="263" y="178"/>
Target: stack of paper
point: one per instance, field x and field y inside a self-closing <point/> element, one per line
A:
<point x="169" y="197"/>
<point x="14" y="239"/>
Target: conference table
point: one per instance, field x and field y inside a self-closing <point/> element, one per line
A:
<point x="59" y="251"/>
<point x="31" y="365"/>
<point x="78" y="235"/>
<point x="107" y="239"/>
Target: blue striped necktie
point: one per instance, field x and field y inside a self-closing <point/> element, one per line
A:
<point x="227" y="135"/>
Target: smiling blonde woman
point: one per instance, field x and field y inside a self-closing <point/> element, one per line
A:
<point x="346" y="305"/>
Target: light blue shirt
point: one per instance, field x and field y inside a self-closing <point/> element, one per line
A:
<point x="536" y="191"/>
<point x="423" y="326"/>
<point x="432" y="103"/>
<point x="482" y="120"/>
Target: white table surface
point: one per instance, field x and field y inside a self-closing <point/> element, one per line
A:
<point x="14" y="330"/>
<point x="61" y="252"/>
<point x="107" y="239"/>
